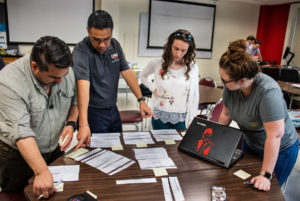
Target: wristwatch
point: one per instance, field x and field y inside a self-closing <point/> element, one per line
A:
<point x="73" y="124"/>
<point x="266" y="174"/>
<point x="141" y="99"/>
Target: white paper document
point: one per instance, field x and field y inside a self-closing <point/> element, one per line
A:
<point x="166" y="163"/>
<point x="122" y="168"/>
<point x="94" y="156"/>
<point x="79" y="158"/>
<point x="105" y="140"/>
<point x="136" y="181"/>
<point x="167" y="191"/>
<point x="166" y="134"/>
<point x="176" y="189"/>
<point x="114" y="166"/>
<point x="102" y="158"/>
<point x="150" y="158"/>
<point x="150" y="153"/>
<point x="65" y="172"/>
<point x="106" y="161"/>
<point x="137" y="137"/>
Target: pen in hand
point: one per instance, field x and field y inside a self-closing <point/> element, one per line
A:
<point x="54" y="186"/>
<point x="248" y="182"/>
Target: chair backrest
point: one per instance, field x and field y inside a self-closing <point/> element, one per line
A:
<point x="216" y="111"/>
<point x="208" y="81"/>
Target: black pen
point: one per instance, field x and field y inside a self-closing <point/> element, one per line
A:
<point x="248" y="182"/>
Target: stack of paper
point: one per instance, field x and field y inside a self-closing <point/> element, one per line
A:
<point x="105" y="161"/>
<point x="150" y="158"/>
<point x="65" y="172"/>
<point x="137" y="137"/>
<point x="166" y="134"/>
<point x="105" y="140"/>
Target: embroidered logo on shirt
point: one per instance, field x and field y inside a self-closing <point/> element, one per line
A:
<point x="115" y="57"/>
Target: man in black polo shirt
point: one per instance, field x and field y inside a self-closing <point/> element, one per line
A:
<point x="98" y="62"/>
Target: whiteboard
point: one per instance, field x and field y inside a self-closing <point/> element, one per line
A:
<point x="144" y="51"/>
<point x="168" y="16"/>
<point x="28" y="20"/>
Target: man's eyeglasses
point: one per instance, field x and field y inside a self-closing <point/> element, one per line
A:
<point x="99" y="41"/>
<point x="226" y="82"/>
<point x="188" y="37"/>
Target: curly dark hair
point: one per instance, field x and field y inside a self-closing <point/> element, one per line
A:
<point x="237" y="62"/>
<point x="51" y="50"/>
<point x="189" y="57"/>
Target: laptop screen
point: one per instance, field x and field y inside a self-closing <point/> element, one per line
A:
<point x="211" y="140"/>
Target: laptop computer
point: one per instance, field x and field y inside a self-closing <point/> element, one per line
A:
<point x="212" y="142"/>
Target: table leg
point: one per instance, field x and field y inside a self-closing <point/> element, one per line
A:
<point x="291" y="101"/>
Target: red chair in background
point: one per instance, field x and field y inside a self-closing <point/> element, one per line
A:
<point x="216" y="111"/>
<point x="210" y="82"/>
<point x="133" y="117"/>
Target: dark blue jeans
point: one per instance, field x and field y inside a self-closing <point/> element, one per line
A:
<point x="104" y="120"/>
<point x="285" y="161"/>
<point x="158" y="124"/>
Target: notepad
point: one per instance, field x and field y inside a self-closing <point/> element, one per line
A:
<point x="170" y="141"/>
<point x="242" y="174"/>
<point x="158" y="172"/>
<point x="117" y="147"/>
<point x="141" y="144"/>
<point x="79" y="152"/>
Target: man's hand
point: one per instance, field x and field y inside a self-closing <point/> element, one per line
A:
<point x="262" y="183"/>
<point x="68" y="134"/>
<point x="83" y="137"/>
<point x="43" y="184"/>
<point x="145" y="110"/>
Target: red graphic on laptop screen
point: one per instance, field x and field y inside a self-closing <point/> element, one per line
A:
<point x="205" y="143"/>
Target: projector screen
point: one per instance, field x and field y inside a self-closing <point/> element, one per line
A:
<point x="168" y="16"/>
<point x="28" y="20"/>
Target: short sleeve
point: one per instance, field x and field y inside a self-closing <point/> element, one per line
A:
<point x="124" y="64"/>
<point x="81" y="65"/>
<point x="272" y="106"/>
<point x="72" y="77"/>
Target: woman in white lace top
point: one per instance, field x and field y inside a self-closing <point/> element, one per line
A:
<point x="175" y="87"/>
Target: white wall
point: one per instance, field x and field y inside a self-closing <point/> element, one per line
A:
<point x="290" y="29"/>
<point x="233" y="21"/>
<point x="296" y="42"/>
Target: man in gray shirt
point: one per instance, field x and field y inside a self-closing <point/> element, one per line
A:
<point x="38" y="95"/>
<point x="98" y="63"/>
